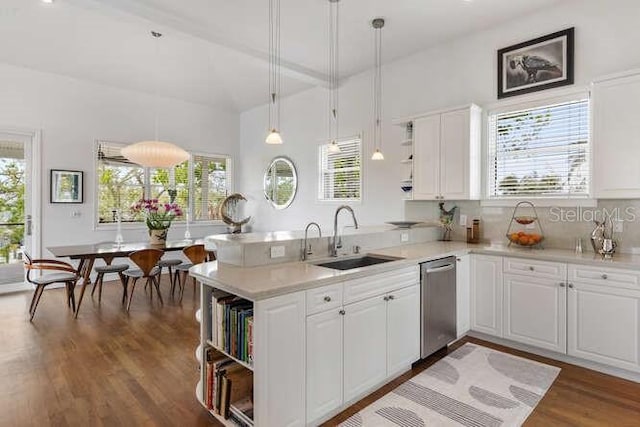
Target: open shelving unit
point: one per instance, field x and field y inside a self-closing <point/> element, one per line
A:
<point x="407" y="160"/>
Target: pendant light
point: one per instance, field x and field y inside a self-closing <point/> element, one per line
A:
<point x="155" y="154"/>
<point x="377" y="25"/>
<point x="334" y="83"/>
<point x="274" y="136"/>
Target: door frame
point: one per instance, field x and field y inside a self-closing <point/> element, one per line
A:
<point x="34" y="174"/>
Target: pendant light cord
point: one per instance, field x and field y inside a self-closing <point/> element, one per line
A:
<point x="157" y="36"/>
<point x="377" y="89"/>
<point x="274" y="65"/>
<point x="334" y="69"/>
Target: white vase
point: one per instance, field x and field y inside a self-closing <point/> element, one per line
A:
<point x="158" y="237"/>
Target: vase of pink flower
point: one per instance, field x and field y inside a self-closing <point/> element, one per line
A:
<point x="158" y="217"/>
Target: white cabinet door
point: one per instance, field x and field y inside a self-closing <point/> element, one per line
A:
<point x="426" y="158"/>
<point x="365" y="343"/>
<point x="454" y="155"/>
<point x="603" y="325"/>
<point x="279" y="361"/>
<point x="486" y="294"/>
<point x="463" y="295"/>
<point x="403" y="329"/>
<point x="616" y="137"/>
<point x="324" y="363"/>
<point x="535" y="311"/>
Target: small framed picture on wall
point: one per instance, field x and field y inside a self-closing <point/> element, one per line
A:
<point x="66" y="186"/>
<point x="538" y="64"/>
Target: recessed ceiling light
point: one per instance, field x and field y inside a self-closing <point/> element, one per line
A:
<point x="47" y="1"/>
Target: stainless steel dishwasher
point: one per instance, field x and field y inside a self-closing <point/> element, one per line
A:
<point x="437" y="305"/>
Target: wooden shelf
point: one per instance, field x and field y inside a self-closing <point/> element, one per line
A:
<point x="407" y="143"/>
<point x="240" y="362"/>
<point x="406" y="161"/>
<point x="406" y="181"/>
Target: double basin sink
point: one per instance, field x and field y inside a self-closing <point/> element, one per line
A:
<point x="358" y="262"/>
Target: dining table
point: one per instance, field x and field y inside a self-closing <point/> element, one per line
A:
<point x="87" y="254"/>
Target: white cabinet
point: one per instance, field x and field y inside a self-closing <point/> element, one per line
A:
<point x="463" y="295"/>
<point x="324" y="363"/>
<point x="616" y="137"/>
<point x="365" y="344"/>
<point x="603" y="325"/>
<point x="486" y="294"/>
<point x="535" y="311"/>
<point x="279" y="361"/>
<point x="446" y="155"/>
<point x="403" y="329"/>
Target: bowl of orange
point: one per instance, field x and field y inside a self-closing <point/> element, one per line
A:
<point x="525" y="239"/>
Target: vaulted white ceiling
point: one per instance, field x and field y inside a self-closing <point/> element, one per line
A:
<point x="214" y="51"/>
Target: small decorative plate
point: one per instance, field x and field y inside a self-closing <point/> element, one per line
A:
<point x="403" y="224"/>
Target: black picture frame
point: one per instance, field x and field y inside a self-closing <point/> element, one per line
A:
<point x="66" y="186"/>
<point x="539" y="64"/>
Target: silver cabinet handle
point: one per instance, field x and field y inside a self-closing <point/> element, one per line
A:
<point x="440" y="269"/>
<point x="386" y="298"/>
<point x="342" y="312"/>
<point x="571" y="285"/>
<point x="327" y="299"/>
<point x="604" y="277"/>
<point x="391" y="297"/>
<point x="531" y="268"/>
<point x="561" y="285"/>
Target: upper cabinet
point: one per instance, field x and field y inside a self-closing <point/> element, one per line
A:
<point x="446" y="154"/>
<point x="616" y="137"/>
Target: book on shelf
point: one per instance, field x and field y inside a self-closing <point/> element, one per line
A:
<point x="227" y="382"/>
<point x="232" y="325"/>
<point x="215" y="361"/>
<point x="215" y="296"/>
<point x="241" y="412"/>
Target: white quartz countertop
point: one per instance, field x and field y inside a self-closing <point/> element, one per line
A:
<point x="261" y="282"/>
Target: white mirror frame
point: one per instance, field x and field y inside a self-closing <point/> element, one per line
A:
<point x="294" y="173"/>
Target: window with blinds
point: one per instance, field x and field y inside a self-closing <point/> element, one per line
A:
<point x="540" y="152"/>
<point x="340" y="174"/>
<point x="200" y="184"/>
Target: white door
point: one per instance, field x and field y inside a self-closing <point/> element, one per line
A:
<point x="365" y="343"/>
<point x="19" y="205"/>
<point x="535" y="311"/>
<point x="426" y="158"/>
<point x="486" y="294"/>
<point x="324" y="363"/>
<point x="279" y="361"/>
<point x="403" y="329"/>
<point x="454" y="155"/>
<point x="616" y="138"/>
<point x="463" y="295"/>
<point x="604" y="325"/>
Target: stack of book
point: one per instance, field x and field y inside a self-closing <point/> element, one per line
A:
<point x="229" y="388"/>
<point x="232" y="325"/>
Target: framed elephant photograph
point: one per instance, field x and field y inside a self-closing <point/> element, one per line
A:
<point x="542" y="63"/>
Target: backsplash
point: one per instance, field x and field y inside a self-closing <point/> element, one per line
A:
<point x="561" y="225"/>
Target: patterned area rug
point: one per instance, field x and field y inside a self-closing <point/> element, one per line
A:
<point x="473" y="386"/>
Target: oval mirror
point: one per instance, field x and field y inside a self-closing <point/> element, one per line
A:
<point x="280" y="182"/>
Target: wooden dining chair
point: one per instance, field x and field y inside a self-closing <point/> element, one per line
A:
<point x="63" y="272"/>
<point x="146" y="260"/>
<point x="196" y="255"/>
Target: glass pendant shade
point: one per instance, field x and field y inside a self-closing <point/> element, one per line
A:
<point x="155" y="154"/>
<point x="274" y="137"/>
<point x="377" y="155"/>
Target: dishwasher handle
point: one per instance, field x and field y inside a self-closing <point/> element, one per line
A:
<point x="442" y="269"/>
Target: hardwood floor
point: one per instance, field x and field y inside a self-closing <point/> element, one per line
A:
<point x="110" y="368"/>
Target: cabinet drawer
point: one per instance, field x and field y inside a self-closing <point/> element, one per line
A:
<point x="324" y="298"/>
<point x="378" y="284"/>
<point x="525" y="267"/>
<point x="613" y="277"/>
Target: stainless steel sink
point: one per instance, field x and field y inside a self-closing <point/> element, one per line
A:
<point x="351" y="263"/>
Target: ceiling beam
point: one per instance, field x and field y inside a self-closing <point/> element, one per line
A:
<point x="171" y="19"/>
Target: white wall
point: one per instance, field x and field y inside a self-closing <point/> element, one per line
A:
<point x="73" y="114"/>
<point x="457" y="73"/>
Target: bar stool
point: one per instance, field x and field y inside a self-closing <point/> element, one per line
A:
<point x="147" y="262"/>
<point x="197" y="255"/>
<point x="104" y="269"/>
<point x="170" y="264"/>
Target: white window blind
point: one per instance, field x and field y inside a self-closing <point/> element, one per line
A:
<point x="340" y="177"/>
<point x="541" y="152"/>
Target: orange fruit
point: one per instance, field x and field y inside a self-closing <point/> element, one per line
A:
<point x="523" y="240"/>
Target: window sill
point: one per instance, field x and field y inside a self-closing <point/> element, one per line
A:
<point x="541" y="203"/>
<point x="141" y="226"/>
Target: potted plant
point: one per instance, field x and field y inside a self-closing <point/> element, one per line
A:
<point x="158" y="217"/>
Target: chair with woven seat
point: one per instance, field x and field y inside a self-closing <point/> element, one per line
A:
<point x="169" y="264"/>
<point x="63" y="272"/>
<point x="147" y="262"/>
<point x="110" y="268"/>
<point x="196" y="255"/>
